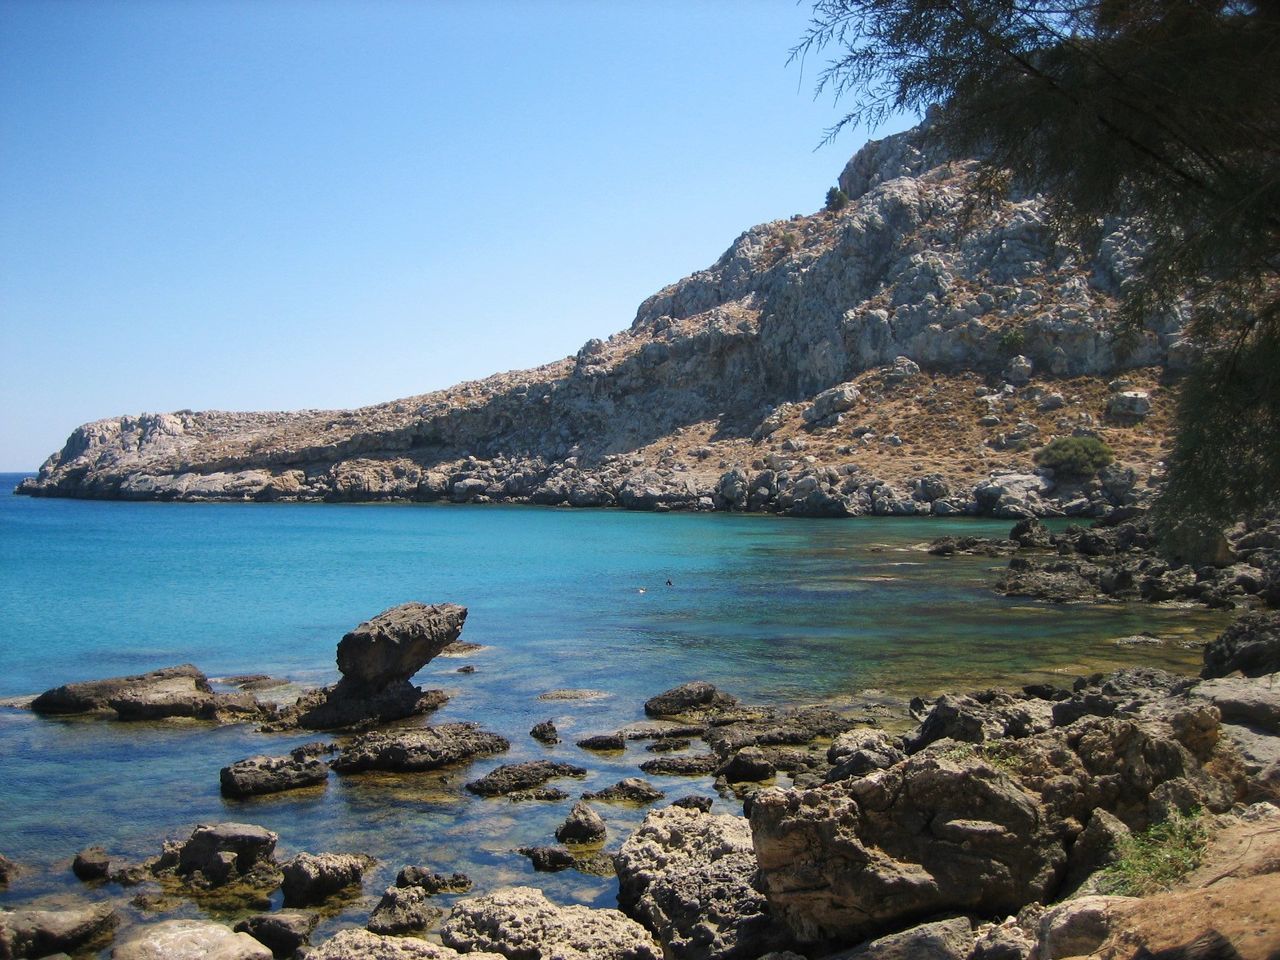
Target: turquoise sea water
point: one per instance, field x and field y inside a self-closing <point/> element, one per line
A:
<point x="771" y="609"/>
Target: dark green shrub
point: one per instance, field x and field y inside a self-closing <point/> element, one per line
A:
<point x="1012" y="342"/>
<point x="837" y="199"/>
<point x="1074" y="456"/>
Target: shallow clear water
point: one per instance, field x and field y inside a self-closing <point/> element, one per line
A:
<point x="771" y="609"/>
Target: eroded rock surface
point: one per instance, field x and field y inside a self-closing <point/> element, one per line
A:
<point x="427" y="748"/>
<point x="311" y="879"/>
<point x="35" y="932"/>
<point x="259" y="775"/>
<point x="514" y="777"/>
<point x="189" y="940"/>
<point x="521" y="923"/>
<point x="181" y="691"/>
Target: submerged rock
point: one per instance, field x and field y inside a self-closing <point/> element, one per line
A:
<point x="545" y="732"/>
<point x="548" y="859"/>
<point x="694" y="766"/>
<point x="428" y="748"/>
<point x="520" y="922"/>
<point x="181" y="691"/>
<point x="630" y="790"/>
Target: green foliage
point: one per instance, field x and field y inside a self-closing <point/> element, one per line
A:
<point x="1077" y="457"/>
<point x="1012" y="342"/>
<point x="1157" y="858"/>
<point x="789" y="241"/>
<point x="837" y="199"/>
<point x="1165" y="110"/>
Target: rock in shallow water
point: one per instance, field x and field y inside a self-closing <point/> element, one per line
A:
<point x="363" y="945"/>
<point x="260" y="775"/>
<point x="313" y="878"/>
<point x="397" y="643"/>
<point x="522" y="923"/>
<point x="38" y="933"/>
<point x="512" y="777"/>
<point x="282" y="932"/>
<point x="181" y="691"/>
<point x="583" y="825"/>
<point x="689" y="698"/>
<point x="189" y="940"/>
<point x="414" y="750"/>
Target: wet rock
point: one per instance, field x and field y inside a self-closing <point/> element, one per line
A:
<point x="669" y="745"/>
<point x="1250" y="644"/>
<point x="543" y="794"/>
<point x="189" y="940"/>
<point x="940" y="940"/>
<point x="261" y="774"/>
<point x="34" y="932"/>
<point x="521" y="923"/>
<point x="545" y="732"/>
<point x="512" y="777"/>
<point x="698" y="804"/>
<point x="1031" y="532"/>
<point x="693" y="766"/>
<point x="223" y="852"/>
<point x="750" y="764"/>
<point x="427" y="748"/>
<point x="603" y="741"/>
<point x="403" y="910"/>
<point x="431" y="882"/>
<point x="91" y="863"/>
<point x="181" y="691"/>
<point x="687" y="876"/>
<point x="583" y="825"/>
<point x="8" y="869"/>
<point x="282" y="932"/>
<point x="630" y="790"/>
<point x="698" y="697"/>
<point x="311" y="879"/>
<point x="363" y="945"/>
<point x="548" y="859"/>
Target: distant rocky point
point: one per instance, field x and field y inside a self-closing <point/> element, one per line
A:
<point x="905" y="355"/>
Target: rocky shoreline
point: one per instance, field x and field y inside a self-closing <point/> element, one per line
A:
<point x="984" y="825"/>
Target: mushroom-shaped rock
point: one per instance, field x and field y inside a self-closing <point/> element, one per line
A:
<point x="583" y="825"/>
<point x="313" y="878"/>
<point x="397" y="643"/>
<point x="520" y="923"/>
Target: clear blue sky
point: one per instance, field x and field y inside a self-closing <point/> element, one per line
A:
<point x="275" y="205"/>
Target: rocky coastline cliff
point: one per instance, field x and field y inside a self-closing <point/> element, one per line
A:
<point x="904" y="355"/>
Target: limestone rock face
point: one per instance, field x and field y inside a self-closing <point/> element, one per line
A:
<point x="189" y="940"/>
<point x="397" y="643"/>
<point x="687" y="876"/>
<point x="520" y="922"/>
<point x="753" y="344"/>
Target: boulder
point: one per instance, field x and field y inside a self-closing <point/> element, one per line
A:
<point x="1078" y="927"/>
<point x="259" y="775"/>
<point x="940" y="940"/>
<point x="311" y="879"/>
<point x="189" y="940"/>
<point x="858" y="752"/>
<point x="545" y="732"/>
<point x="397" y="643"/>
<point x="750" y="764"/>
<point x="181" y="691"/>
<point x="603" y="741"/>
<point x="403" y="910"/>
<point x="697" y="697"/>
<point x="223" y="852"/>
<point x="1251" y="701"/>
<point x="520" y="923"/>
<point x="630" y="790"/>
<point x="548" y="859"/>
<point x="282" y="932"/>
<point x="1018" y="371"/>
<point x="427" y="748"/>
<point x="830" y="402"/>
<point x="928" y="835"/>
<point x="583" y="825"/>
<point x="363" y="945"/>
<point x="34" y="932"/>
<point x="1250" y="644"/>
<point x="688" y="877"/>
<point x="1098" y="846"/>
<point x="1129" y="405"/>
<point x="513" y="777"/>
<point x="691" y="766"/>
<point x="8" y="870"/>
<point x="91" y="863"/>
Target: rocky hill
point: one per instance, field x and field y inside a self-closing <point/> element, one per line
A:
<point x="906" y="354"/>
